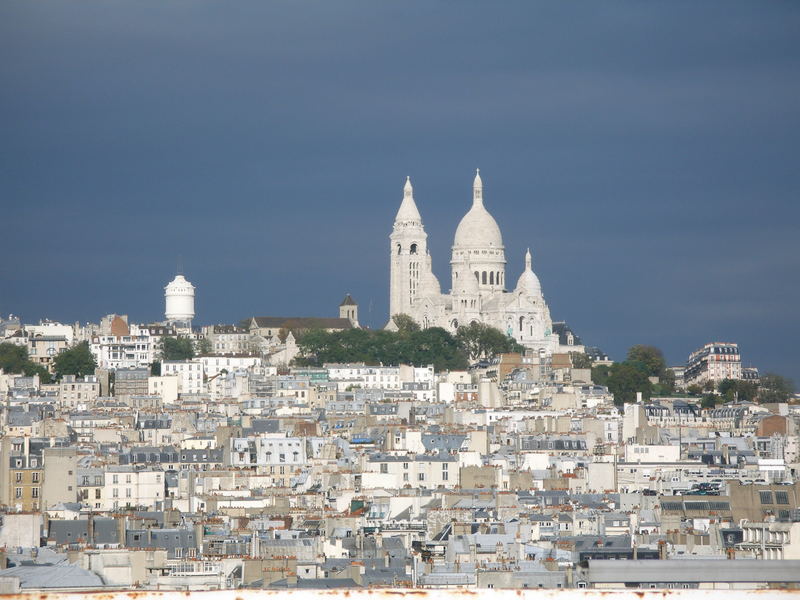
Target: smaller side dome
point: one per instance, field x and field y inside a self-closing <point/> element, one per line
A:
<point x="528" y="283"/>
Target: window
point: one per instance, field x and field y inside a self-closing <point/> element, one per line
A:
<point x="781" y="497"/>
<point x="18" y="477"/>
<point x="18" y="492"/>
<point x="421" y="476"/>
<point x="766" y="497"/>
<point x="384" y="468"/>
<point x="35" y="492"/>
<point x="35" y="478"/>
<point x="115" y="479"/>
<point x="115" y="493"/>
<point x="97" y="494"/>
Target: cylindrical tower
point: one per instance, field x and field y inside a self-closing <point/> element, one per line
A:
<point x="179" y="301"/>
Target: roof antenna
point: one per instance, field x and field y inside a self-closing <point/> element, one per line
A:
<point x="180" y="264"/>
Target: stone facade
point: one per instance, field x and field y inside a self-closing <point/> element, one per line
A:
<point x="478" y="275"/>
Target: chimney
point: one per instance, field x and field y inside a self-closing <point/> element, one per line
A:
<point x="90" y="530"/>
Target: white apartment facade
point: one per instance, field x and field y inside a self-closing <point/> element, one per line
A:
<point x="128" y="486"/>
<point x="713" y="362"/>
<point x="191" y="375"/>
<point x="78" y="393"/>
<point x="135" y="349"/>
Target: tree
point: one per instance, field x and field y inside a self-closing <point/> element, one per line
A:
<point x="651" y="357"/>
<point x="478" y="340"/>
<point x="580" y="360"/>
<point x="77" y="361"/>
<point x="405" y="323"/>
<point x="775" y="388"/>
<point x="710" y="400"/>
<point x="437" y="347"/>
<point x="420" y="347"/>
<point x="600" y="374"/>
<point x="666" y="383"/>
<point x="32" y="369"/>
<point x="625" y="380"/>
<point x="736" y="389"/>
<point x="204" y="346"/>
<point x="13" y="358"/>
<point x="177" y="348"/>
<point x="694" y="390"/>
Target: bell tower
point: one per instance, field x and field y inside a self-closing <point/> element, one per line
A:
<point x="408" y="249"/>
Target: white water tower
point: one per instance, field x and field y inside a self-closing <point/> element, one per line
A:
<point x="179" y="300"/>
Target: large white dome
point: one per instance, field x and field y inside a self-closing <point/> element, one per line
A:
<point x="478" y="229"/>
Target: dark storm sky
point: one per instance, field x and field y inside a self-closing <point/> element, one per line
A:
<point x="647" y="152"/>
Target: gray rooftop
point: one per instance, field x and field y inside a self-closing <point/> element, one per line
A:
<point x="693" y="571"/>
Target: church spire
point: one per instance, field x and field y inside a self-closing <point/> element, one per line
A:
<point x="408" y="208"/>
<point x="528" y="266"/>
<point x="477" y="188"/>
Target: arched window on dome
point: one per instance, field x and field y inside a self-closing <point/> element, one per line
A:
<point x="521" y="321"/>
<point x="491" y="278"/>
<point x="399" y="248"/>
<point x="477" y="277"/>
<point x="413" y="249"/>
<point x="483" y="278"/>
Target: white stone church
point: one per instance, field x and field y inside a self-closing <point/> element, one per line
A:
<point x="478" y="272"/>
